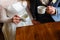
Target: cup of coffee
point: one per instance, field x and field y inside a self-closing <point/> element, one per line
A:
<point x="41" y="9"/>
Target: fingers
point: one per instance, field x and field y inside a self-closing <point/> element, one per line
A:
<point x="50" y="10"/>
<point x="16" y="16"/>
<point x="16" y="19"/>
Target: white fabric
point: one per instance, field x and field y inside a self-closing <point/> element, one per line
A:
<point x="44" y="1"/>
<point x="9" y="28"/>
<point x="6" y="3"/>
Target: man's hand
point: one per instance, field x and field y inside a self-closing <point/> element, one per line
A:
<point x="50" y="10"/>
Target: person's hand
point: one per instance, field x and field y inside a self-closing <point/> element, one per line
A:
<point x="50" y="10"/>
<point x="16" y="19"/>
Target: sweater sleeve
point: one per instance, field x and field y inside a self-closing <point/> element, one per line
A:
<point x="3" y="16"/>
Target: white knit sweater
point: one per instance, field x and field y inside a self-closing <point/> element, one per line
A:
<point x="9" y="28"/>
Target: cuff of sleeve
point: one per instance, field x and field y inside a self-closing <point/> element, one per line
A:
<point x="56" y="12"/>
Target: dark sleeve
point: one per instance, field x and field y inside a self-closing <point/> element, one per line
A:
<point x="59" y="4"/>
<point x="33" y="8"/>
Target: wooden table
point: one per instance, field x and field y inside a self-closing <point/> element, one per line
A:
<point x="46" y="31"/>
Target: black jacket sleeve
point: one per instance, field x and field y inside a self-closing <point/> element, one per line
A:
<point x="33" y="9"/>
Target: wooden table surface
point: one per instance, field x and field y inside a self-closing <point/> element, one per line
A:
<point x="46" y="31"/>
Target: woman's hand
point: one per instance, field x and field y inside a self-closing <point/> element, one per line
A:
<point x="50" y="10"/>
<point x="16" y="19"/>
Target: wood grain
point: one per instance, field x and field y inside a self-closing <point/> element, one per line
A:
<point x="46" y="31"/>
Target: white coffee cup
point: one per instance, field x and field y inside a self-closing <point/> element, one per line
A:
<point x="41" y="9"/>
